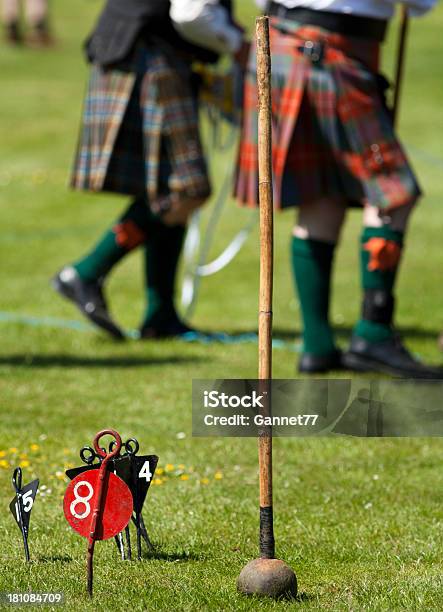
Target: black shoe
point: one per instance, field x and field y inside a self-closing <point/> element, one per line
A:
<point x="88" y="297"/>
<point x="387" y="357"/>
<point x="40" y="36"/>
<point x="12" y="34"/>
<point x="169" y="329"/>
<point x="319" y="364"/>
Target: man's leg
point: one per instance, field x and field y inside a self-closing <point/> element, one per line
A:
<point x="82" y="282"/>
<point x="130" y="231"/>
<point x="11" y="21"/>
<point x="37" y="16"/>
<point x="374" y="345"/>
<point x="162" y="252"/>
<point x="313" y="244"/>
<point x="380" y="255"/>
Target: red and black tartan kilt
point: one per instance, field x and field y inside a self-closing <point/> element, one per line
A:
<point x="332" y="133"/>
<point x="139" y="131"/>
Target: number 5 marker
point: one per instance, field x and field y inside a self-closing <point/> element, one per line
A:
<point x="21" y="505"/>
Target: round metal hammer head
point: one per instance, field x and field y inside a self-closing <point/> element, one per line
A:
<point x="270" y="577"/>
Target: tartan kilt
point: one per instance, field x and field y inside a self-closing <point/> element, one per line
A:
<point x="139" y="132"/>
<point x="332" y="133"/>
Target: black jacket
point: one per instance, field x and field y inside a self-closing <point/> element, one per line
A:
<point x="123" y="22"/>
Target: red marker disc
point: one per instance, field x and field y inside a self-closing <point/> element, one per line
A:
<point x="80" y="501"/>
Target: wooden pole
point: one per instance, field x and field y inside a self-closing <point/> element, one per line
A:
<point x="267" y="545"/>
<point x="266" y="575"/>
<point x="401" y="52"/>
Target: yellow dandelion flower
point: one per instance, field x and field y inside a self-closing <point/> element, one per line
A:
<point x="181" y="466"/>
<point x="13" y="449"/>
<point x="204" y="481"/>
<point x="25" y="463"/>
<point x="184" y="477"/>
<point x="34" y="447"/>
<point x="159" y="471"/>
<point x="157" y="481"/>
<point x="2" y="454"/>
<point x="68" y="466"/>
<point x="169" y="467"/>
<point x="4" y="463"/>
<point x="23" y="456"/>
<point x="218" y="475"/>
<point x="60" y="475"/>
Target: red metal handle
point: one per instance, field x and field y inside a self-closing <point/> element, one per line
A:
<point x="115" y="451"/>
<point x="98" y="508"/>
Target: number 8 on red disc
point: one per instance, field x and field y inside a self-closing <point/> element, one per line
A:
<point x="80" y="501"/>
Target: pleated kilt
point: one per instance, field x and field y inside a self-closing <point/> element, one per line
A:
<point x="332" y="133"/>
<point x="139" y="132"/>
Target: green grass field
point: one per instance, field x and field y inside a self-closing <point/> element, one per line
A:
<point x="360" y="520"/>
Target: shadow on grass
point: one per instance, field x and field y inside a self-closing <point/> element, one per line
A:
<point x="172" y="557"/>
<point x="405" y="332"/>
<point x="55" y="559"/>
<point x="300" y="597"/>
<point x="304" y="597"/>
<point x="343" y="332"/>
<point x="73" y="361"/>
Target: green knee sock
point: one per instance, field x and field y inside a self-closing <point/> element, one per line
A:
<point x="379" y="259"/>
<point x="162" y="253"/>
<point x="312" y="265"/>
<point x="129" y="232"/>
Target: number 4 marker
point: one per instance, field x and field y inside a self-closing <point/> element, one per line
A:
<point x="145" y="472"/>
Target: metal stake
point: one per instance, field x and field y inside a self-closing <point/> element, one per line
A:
<point x="17" y="486"/>
<point x="98" y="508"/>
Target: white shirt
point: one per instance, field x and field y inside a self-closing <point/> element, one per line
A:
<point x="380" y="9"/>
<point x="206" y="23"/>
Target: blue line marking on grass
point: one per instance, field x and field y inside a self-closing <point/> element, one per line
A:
<point x="188" y="337"/>
<point x="11" y="317"/>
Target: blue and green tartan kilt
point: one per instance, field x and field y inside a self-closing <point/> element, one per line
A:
<point x="139" y="132"/>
